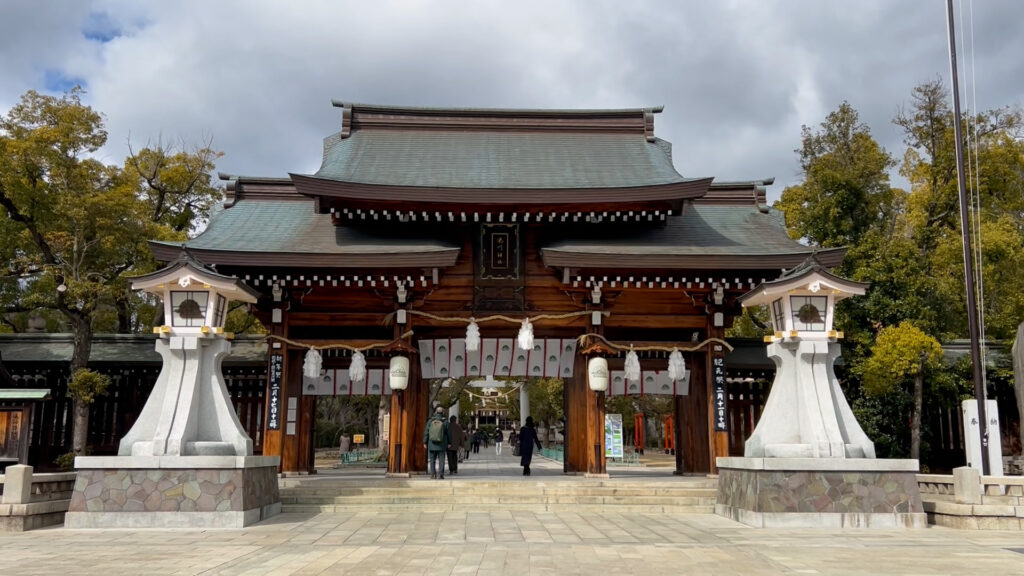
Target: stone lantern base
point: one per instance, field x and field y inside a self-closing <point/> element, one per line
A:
<point x="173" y="491"/>
<point x="820" y="492"/>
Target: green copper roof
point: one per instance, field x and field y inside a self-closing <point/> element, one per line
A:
<point x="706" y="236"/>
<point x="499" y="159"/>
<point x="114" y="348"/>
<point x="25" y="394"/>
<point x="295" y="235"/>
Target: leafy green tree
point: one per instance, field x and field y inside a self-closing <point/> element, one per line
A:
<point x="176" y="183"/>
<point x="845" y="192"/>
<point x="72" y="229"/>
<point x="903" y="353"/>
<point x="546" y="404"/>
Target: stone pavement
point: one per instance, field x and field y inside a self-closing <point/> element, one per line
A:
<point x="517" y="543"/>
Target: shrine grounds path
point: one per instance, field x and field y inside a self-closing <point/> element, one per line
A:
<point x="517" y="543"/>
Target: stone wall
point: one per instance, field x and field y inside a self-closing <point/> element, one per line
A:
<point x="777" y="491"/>
<point x="33" y="500"/>
<point x="819" y="492"/>
<point x="181" y="490"/>
<point x="967" y="500"/>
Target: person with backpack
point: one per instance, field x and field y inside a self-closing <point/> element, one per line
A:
<point x="436" y="440"/>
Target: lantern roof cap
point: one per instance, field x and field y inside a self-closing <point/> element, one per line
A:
<point x="811" y="276"/>
<point x="186" y="265"/>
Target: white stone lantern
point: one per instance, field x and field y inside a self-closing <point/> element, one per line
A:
<point x="189" y="412"/>
<point x="806" y="414"/>
<point x="808" y="463"/>
<point x="186" y="458"/>
<point x="194" y="297"/>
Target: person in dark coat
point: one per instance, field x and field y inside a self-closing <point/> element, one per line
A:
<point x="456" y="437"/>
<point x="527" y="439"/>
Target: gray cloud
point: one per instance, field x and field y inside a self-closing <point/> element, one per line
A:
<point x="738" y="79"/>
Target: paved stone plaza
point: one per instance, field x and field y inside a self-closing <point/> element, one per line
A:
<point x="509" y="542"/>
<point x="519" y="543"/>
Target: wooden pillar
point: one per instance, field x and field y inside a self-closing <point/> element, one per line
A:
<point x="718" y="440"/>
<point x="274" y="396"/>
<point x="293" y="460"/>
<point x="584" y="411"/>
<point x="289" y="416"/>
<point x="693" y="419"/>
<point x="406" y="454"/>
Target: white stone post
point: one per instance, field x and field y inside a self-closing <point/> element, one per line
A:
<point x="524" y="404"/>
<point x="18" y="484"/>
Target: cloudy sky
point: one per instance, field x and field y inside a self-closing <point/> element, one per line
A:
<point x="737" y="78"/>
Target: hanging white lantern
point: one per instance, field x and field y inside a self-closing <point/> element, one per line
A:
<point x="472" y="336"/>
<point x="357" y="369"/>
<point x="676" y="365"/>
<point x="312" y="363"/>
<point x="632" y="366"/>
<point x="398" y="374"/>
<point x="526" y="335"/>
<point x="597" y="374"/>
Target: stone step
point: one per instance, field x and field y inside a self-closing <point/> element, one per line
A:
<point x="506" y="499"/>
<point x="444" y="507"/>
<point x="460" y="490"/>
<point x="321" y="495"/>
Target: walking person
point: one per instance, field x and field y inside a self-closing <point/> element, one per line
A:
<point x="527" y="439"/>
<point x="513" y="441"/>
<point x="456" y="436"/>
<point x="499" y="437"/>
<point x="436" y="440"/>
<point x="478" y="437"/>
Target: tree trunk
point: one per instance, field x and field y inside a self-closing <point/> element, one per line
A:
<point x="82" y="328"/>
<point x="124" y="315"/>
<point x="915" y="416"/>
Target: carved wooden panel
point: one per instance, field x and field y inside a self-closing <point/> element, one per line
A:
<point x="499" y="277"/>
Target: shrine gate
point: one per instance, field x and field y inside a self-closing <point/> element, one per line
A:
<point x="422" y="220"/>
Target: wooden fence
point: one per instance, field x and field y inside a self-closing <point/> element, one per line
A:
<point x="112" y="415"/>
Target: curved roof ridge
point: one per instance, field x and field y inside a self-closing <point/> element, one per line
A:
<point x="436" y="110"/>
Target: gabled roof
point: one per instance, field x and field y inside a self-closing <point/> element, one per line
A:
<point x="289" y="233"/>
<point x="119" y="349"/>
<point x="187" y="265"/>
<point x="704" y="237"/>
<point x="811" y="274"/>
<point x="498" y="156"/>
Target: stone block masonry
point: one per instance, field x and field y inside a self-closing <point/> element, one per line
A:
<point x="122" y="497"/>
<point x="815" y="492"/>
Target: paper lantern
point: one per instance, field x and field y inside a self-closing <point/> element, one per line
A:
<point x="399" y="373"/>
<point x="597" y="374"/>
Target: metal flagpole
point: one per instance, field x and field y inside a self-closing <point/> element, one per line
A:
<point x="972" y="309"/>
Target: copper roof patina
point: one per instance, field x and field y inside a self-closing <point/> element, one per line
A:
<point x="706" y="236"/>
<point x="292" y="234"/>
<point x="483" y="156"/>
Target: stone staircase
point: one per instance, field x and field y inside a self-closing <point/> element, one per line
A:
<point x="568" y="494"/>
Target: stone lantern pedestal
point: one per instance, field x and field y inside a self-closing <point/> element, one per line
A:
<point x="187" y="462"/>
<point x="808" y="463"/>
